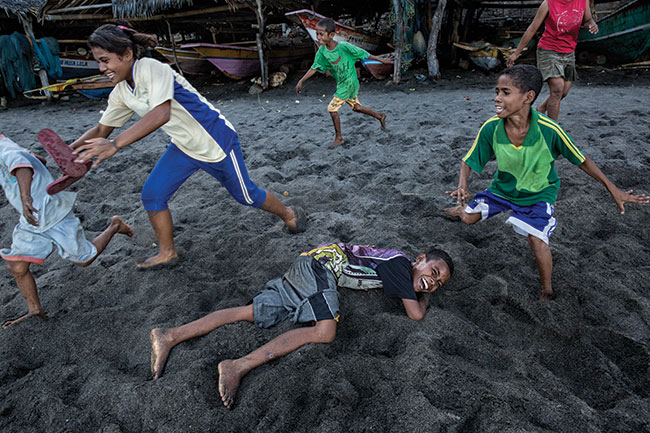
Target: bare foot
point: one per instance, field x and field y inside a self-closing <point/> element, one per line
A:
<point x="338" y="141"/>
<point x="160" y="261"/>
<point x="160" y="347"/>
<point x="455" y="212"/>
<point x="122" y="227"/>
<point x="40" y="313"/>
<point x="546" y="295"/>
<point x="382" y="121"/>
<point x="229" y="378"/>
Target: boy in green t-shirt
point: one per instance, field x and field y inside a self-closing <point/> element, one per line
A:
<point x="339" y="59"/>
<point x="525" y="144"/>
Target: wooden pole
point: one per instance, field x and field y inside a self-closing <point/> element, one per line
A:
<point x="259" y="39"/>
<point x="399" y="41"/>
<point x="432" y="57"/>
<point x="42" y="74"/>
<point x="171" y="38"/>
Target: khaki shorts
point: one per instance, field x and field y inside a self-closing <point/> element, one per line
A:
<point x="552" y="64"/>
<point x="336" y="103"/>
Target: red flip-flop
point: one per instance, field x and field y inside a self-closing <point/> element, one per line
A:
<point x="60" y="184"/>
<point x="62" y="154"/>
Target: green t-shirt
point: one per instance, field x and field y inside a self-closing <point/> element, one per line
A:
<point x="526" y="174"/>
<point x="340" y="63"/>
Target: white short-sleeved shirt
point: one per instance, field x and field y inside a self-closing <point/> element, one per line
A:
<point x="51" y="208"/>
<point x="195" y="126"/>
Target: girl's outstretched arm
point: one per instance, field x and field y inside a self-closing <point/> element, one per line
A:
<point x="101" y="148"/>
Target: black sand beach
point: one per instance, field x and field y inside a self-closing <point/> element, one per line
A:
<point x="488" y="357"/>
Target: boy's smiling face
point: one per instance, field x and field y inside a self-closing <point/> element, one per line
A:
<point x="117" y="68"/>
<point x="429" y="275"/>
<point x="323" y="37"/>
<point x="510" y="99"/>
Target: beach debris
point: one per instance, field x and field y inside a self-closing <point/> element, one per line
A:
<point x="467" y="98"/>
<point x="297" y="101"/>
<point x="286" y="193"/>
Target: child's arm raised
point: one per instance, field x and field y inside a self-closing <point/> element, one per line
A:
<point x="461" y="193"/>
<point x="101" y="148"/>
<point x="620" y="197"/>
<point x="540" y="16"/>
<point x="310" y="73"/>
<point x="24" y="176"/>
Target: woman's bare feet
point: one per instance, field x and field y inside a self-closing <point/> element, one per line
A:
<point x="40" y="313"/>
<point x="229" y="378"/>
<point x="161" y="345"/>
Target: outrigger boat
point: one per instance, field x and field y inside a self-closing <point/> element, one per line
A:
<point x="78" y="67"/>
<point x="96" y="86"/>
<point x="189" y="60"/>
<point x="309" y="19"/>
<point x="237" y="61"/>
<point x="622" y="35"/>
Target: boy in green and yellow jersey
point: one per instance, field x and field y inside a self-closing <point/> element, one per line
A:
<point x="525" y="144"/>
<point x="339" y="59"/>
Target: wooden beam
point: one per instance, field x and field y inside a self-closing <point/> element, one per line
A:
<point x="49" y="17"/>
<point x="80" y="8"/>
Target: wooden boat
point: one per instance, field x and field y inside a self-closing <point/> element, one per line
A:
<point x="623" y="35"/>
<point x="77" y="67"/>
<point x="189" y="60"/>
<point x="95" y="86"/>
<point x="378" y="69"/>
<point x="243" y="61"/>
<point x="309" y="19"/>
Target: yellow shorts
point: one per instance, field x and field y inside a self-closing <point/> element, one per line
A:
<point x="337" y="103"/>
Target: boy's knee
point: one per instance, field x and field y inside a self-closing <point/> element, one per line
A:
<point x="18" y="269"/>
<point x="356" y="107"/>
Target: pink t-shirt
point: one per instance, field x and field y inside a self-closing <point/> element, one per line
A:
<point x="562" y="25"/>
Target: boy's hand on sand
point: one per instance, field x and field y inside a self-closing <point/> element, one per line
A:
<point x="29" y="210"/>
<point x="298" y="87"/>
<point x="461" y="195"/>
<point x="622" y="197"/>
<point x="100" y="148"/>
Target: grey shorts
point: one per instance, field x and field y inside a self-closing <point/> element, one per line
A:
<point x="552" y="64"/>
<point x="305" y="293"/>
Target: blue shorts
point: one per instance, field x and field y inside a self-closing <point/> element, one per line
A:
<point x="535" y="220"/>
<point x="305" y="293"/>
<point x="34" y="247"/>
<point x="174" y="167"/>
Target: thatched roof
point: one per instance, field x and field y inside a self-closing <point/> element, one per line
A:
<point x="21" y="6"/>
<point x="133" y="8"/>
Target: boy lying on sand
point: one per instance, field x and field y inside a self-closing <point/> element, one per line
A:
<point x="307" y="293"/>
<point x="525" y="144"/>
<point x="24" y="179"/>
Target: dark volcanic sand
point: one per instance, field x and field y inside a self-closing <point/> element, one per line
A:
<point x="488" y="357"/>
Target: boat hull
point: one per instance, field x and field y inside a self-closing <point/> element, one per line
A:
<point x="623" y="35"/>
<point x="241" y="62"/>
<point x="78" y="67"/>
<point x="190" y="61"/>
<point x="309" y="19"/>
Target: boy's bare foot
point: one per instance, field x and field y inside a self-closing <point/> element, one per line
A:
<point x="40" y="313"/>
<point x="122" y="227"/>
<point x="455" y="212"/>
<point x="229" y="378"/>
<point x="159" y="261"/>
<point x="160" y="347"/>
<point x="337" y="142"/>
<point x="546" y="295"/>
<point x="382" y="121"/>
